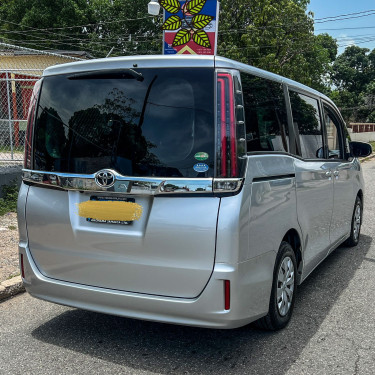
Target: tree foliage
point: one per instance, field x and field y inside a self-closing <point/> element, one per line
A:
<point x="353" y="76"/>
<point x="275" y="35"/>
<point x="20" y="21"/>
<point x="126" y="26"/>
<point x="122" y="24"/>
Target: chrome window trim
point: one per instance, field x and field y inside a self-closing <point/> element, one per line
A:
<point x="133" y="185"/>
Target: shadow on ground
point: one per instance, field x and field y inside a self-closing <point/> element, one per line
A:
<point x="163" y="348"/>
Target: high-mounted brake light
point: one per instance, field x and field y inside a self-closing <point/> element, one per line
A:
<point x="30" y="124"/>
<point x="227" y="138"/>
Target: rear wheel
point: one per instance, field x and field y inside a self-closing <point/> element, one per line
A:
<point x="356" y="224"/>
<point x="283" y="290"/>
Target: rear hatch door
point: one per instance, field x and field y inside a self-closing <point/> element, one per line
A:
<point x="137" y="125"/>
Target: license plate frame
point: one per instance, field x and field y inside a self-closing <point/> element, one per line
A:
<point x="106" y="199"/>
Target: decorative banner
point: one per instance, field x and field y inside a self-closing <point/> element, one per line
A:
<point x="190" y="26"/>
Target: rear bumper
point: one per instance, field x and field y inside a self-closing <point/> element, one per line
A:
<point x="250" y="292"/>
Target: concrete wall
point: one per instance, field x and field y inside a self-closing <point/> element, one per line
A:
<point x="9" y="176"/>
<point x="363" y="137"/>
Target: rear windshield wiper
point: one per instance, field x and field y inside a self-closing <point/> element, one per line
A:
<point x="108" y="74"/>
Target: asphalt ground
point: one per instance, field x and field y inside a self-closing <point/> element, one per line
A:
<point x="332" y="330"/>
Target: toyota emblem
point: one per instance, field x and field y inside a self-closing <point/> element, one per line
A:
<point x="105" y="179"/>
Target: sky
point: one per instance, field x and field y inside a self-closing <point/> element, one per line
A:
<point x="359" y="30"/>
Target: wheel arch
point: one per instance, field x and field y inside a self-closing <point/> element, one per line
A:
<point x="360" y="195"/>
<point x="294" y="240"/>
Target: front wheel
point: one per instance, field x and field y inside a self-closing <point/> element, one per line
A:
<point x="283" y="290"/>
<point x="356" y="224"/>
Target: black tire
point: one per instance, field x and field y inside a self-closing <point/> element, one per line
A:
<point x="277" y="318"/>
<point x="355" y="229"/>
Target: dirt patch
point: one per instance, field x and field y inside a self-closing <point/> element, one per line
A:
<point x="8" y="246"/>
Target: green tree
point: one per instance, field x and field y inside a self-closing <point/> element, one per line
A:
<point x="21" y="22"/>
<point x="126" y="26"/>
<point x="92" y="25"/>
<point x="353" y="69"/>
<point x="353" y="75"/>
<point x="276" y="36"/>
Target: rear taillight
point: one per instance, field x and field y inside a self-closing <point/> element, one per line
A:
<point x="30" y="124"/>
<point x="227" y="129"/>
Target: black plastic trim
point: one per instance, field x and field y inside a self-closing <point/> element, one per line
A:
<point x="277" y="177"/>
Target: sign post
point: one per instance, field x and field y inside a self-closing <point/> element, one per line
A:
<point x="190" y="26"/>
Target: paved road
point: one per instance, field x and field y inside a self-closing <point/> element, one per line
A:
<point x="332" y="332"/>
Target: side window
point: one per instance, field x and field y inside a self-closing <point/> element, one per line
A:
<point x="333" y="127"/>
<point x="307" y="125"/>
<point x="265" y="114"/>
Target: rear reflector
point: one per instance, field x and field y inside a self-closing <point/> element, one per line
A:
<point x="22" y="267"/>
<point x="227" y="294"/>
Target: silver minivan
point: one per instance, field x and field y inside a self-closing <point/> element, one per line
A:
<point x="188" y="190"/>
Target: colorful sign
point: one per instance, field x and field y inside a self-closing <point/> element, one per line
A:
<point x="190" y="26"/>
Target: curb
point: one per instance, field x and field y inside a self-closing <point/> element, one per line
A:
<point x="11" y="287"/>
<point x="372" y="156"/>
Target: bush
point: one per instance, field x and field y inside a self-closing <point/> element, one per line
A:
<point x="9" y="201"/>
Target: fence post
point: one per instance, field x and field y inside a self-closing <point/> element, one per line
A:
<point x="16" y="124"/>
<point x="9" y="116"/>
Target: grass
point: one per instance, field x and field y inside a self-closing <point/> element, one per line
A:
<point x="372" y="143"/>
<point x="9" y="201"/>
<point x="17" y="150"/>
<point x="15" y="275"/>
<point x="12" y="227"/>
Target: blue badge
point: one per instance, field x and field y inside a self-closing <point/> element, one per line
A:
<point x="201" y="167"/>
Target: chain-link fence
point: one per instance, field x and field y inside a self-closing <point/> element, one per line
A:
<point x="20" y="68"/>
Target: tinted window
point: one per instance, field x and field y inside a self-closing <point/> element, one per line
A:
<point x="307" y="124"/>
<point x="265" y="114"/>
<point x="335" y="150"/>
<point x="146" y="123"/>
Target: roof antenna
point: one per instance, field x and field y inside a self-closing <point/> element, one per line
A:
<point x="110" y="52"/>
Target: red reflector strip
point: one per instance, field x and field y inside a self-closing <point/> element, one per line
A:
<point x="227" y="294"/>
<point x="22" y="267"/>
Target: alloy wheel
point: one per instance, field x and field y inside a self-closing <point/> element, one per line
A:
<point x="285" y="286"/>
<point x="357" y="222"/>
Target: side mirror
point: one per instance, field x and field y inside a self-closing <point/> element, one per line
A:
<point x="320" y="153"/>
<point x="360" y="149"/>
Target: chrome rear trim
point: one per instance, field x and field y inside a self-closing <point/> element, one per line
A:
<point x="133" y="185"/>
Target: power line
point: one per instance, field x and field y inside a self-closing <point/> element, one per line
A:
<point x="347" y="28"/>
<point x="83" y="39"/>
<point x="361" y="42"/>
<point x="318" y="20"/>
<point x="86" y="37"/>
<point x="345" y="15"/>
<point x="97" y="23"/>
<point x="42" y="30"/>
<point x="344" y="19"/>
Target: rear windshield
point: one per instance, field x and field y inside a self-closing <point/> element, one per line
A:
<point x="142" y="122"/>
